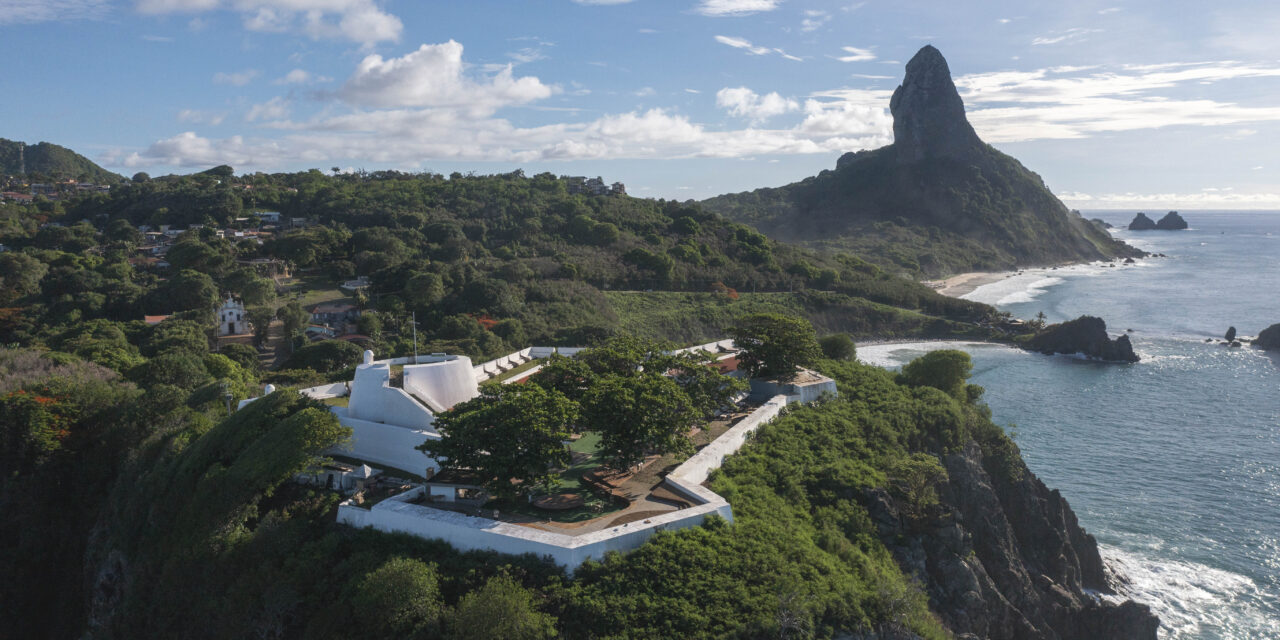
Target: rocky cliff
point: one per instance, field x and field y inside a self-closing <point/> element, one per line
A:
<point x="1269" y="339"/>
<point x="1086" y="335"/>
<point x="936" y="201"/>
<point x="1003" y="557"/>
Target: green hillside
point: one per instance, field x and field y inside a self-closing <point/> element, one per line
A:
<point x="46" y="160"/>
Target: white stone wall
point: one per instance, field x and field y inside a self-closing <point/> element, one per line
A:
<point x="335" y="390"/>
<point x="472" y="533"/>
<point x="386" y="444"/>
<point x="374" y="400"/>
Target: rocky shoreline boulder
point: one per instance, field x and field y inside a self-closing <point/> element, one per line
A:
<point x="1085" y="335"/>
<point x="1269" y="339"/>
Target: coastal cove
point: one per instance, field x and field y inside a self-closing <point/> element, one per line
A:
<point x="1172" y="463"/>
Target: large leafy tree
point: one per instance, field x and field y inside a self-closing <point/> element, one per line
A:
<point x="945" y="369"/>
<point x="774" y="345"/>
<point x="638" y="415"/>
<point x="512" y="434"/>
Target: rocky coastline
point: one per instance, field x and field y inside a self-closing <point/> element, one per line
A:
<point x="1085" y="335"/>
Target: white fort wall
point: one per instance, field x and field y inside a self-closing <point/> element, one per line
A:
<point x="442" y="384"/>
<point x="386" y="444"/>
<point x="469" y="533"/>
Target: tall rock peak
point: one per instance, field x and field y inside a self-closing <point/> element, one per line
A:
<point x="928" y="114"/>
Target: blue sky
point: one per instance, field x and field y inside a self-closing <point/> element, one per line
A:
<point x="1115" y="104"/>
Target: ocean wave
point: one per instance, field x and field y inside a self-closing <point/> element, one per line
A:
<point x="1194" y="600"/>
<point x="895" y="354"/>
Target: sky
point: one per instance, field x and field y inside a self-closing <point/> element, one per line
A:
<point x="1152" y="104"/>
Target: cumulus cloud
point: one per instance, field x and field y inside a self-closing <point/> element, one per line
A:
<point x="745" y="103"/>
<point x="360" y="21"/>
<point x="814" y="19"/>
<point x="722" y="8"/>
<point x="434" y="76"/>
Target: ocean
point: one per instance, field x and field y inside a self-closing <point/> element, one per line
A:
<point x="1173" y="463"/>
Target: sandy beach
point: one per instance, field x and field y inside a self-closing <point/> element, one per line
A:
<point x="959" y="285"/>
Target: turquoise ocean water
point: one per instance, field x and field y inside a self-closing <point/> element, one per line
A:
<point x="1172" y="463"/>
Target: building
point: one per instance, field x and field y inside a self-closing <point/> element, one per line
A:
<point x="335" y="315"/>
<point x="233" y="320"/>
<point x="272" y="217"/>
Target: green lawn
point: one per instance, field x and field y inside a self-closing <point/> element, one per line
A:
<point x="315" y="289"/>
<point x="337" y="402"/>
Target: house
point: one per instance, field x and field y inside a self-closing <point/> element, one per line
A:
<point x="154" y="320"/>
<point x="272" y="217"/>
<point x="233" y="320"/>
<point x="335" y="315"/>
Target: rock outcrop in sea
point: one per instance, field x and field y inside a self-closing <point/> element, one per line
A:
<point x="1142" y="223"/>
<point x="1085" y="335"/>
<point x="1269" y="339"/>
<point x="1231" y="334"/>
<point x="1006" y="558"/>
<point x="1170" y="222"/>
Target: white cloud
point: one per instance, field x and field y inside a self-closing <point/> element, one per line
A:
<point x="360" y="21"/>
<point x="645" y="92"/>
<point x="33" y="11"/>
<point x="814" y="19"/>
<point x="1063" y="102"/>
<point x="276" y="108"/>
<point x="151" y="38"/>
<point x="235" y="78"/>
<point x="1075" y="34"/>
<point x="755" y="50"/>
<point x="856" y="55"/>
<point x="1211" y="198"/>
<point x="201" y="117"/>
<point x="601" y="2"/>
<point x="433" y="76"/>
<point x="720" y="8"/>
<point x="301" y="76"/>
<point x="745" y="103"/>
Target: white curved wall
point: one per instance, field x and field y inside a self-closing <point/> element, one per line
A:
<point x="374" y="400"/>
<point x="386" y="444"/>
<point x="442" y="384"/>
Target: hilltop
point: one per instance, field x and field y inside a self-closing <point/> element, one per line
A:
<point x="937" y="201"/>
<point x="52" y="162"/>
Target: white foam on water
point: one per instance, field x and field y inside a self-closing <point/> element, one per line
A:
<point x="894" y="355"/>
<point x="1194" y="600"/>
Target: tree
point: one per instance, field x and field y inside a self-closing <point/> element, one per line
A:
<point x="243" y="355"/>
<point x="423" y="290"/>
<point x="260" y="318"/>
<point x="636" y="416"/>
<point x="913" y="478"/>
<point x="142" y="176"/>
<point x="774" y="345"/>
<point x="400" y="599"/>
<point x="512" y="434"/>
<point x="325" y="356"/>
<point x="945" y="369"/>
<point x="189" y="290"/>
<point x="20" y="275"/>
<point x="183" y="370"/>
<point x="500" y="609"/>
<point x="838" y="346"/>
<point x="294" y="317"/>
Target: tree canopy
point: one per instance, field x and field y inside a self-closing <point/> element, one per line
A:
<point x="774" y="345"/>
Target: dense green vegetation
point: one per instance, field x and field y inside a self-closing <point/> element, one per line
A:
<point x="137" y="508"/>
<point x="934" y="217"/>
<point x="46" y="161"/>
<point x="203" y="537"/>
